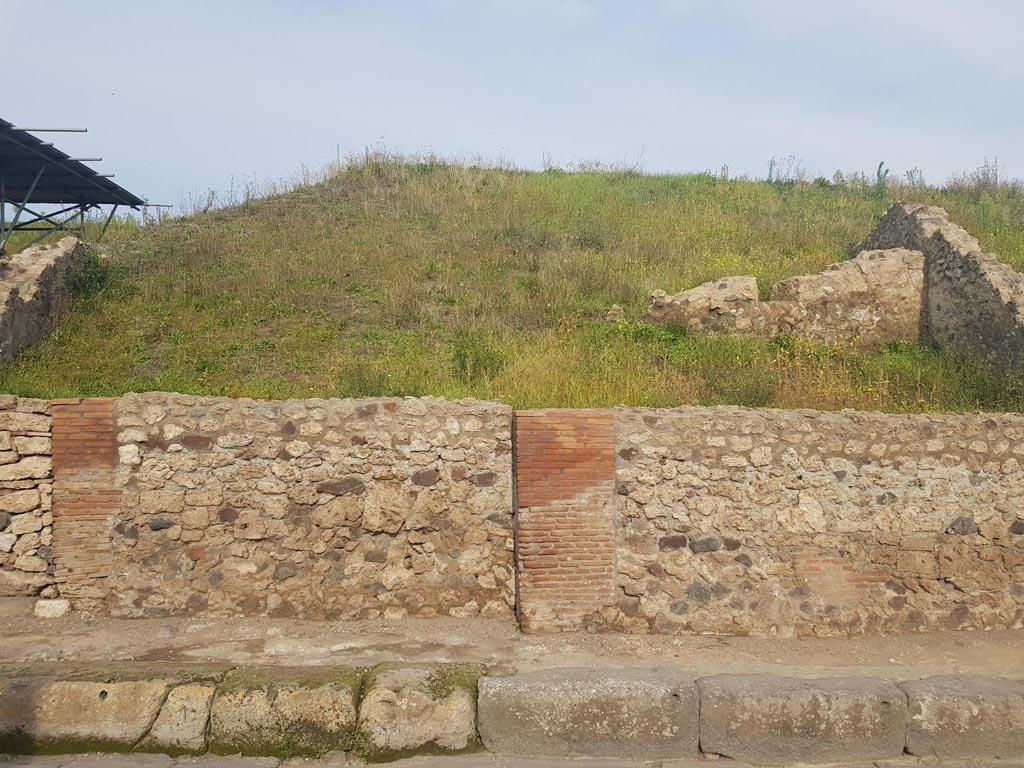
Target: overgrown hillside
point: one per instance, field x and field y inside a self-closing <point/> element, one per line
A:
<point x="426" y="278"/>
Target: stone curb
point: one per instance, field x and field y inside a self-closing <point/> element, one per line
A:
<point x="380" y="713"/>
<point x="640" y="714"/>
<point x="758" y="719"/>
<point x="393" y="711"/>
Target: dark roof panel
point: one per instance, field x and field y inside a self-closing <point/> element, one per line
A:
<point x="63" y="180"/>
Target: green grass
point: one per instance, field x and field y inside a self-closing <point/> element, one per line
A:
<point x="392" y="277"/>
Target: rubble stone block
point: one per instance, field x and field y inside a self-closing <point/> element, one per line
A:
<point x="426" y="706"/>
<point x="284" y="711"/>
<point x="52" y="608"/>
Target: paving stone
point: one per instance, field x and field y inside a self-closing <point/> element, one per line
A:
<point x="971" y="717"/>
<point x="635" y="713"/>
<point x="765" y="720"/>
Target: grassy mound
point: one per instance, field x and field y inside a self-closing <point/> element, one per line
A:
<point x="428" y="278"/>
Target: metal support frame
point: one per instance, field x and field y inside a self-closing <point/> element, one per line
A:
<point x="6" y="233"/>
<point x="46" y="223"/>
<point x="72" y="216"/>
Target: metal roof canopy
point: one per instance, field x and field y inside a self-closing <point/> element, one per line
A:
<point x="34" y="172"/>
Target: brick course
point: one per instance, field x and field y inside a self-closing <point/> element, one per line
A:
<point x="85" y="498"/>
<point x="565" y="471"/>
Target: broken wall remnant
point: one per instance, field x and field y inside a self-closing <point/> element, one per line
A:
<point x="917" y="276"/>
<point x="35" y="290"/>
<point x="973" y="303"/>
<point x="874" y="298"/>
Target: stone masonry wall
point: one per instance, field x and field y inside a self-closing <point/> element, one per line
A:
<point x="762" y="522"/>
<point x="35" y="290"/>
<point x="311" y="508"/>
<point x="973" y="303"/>
<point x="26" y="488"/>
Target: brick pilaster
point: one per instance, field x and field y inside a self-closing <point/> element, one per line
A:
<point x="84" y="496"/>
<point x="565" y="474"/>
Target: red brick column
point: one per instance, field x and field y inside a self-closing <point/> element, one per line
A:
<point x="564" y="475"/>
<point x="84" y="495"/>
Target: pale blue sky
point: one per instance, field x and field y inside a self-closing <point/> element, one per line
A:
<point x="181" y="96"/>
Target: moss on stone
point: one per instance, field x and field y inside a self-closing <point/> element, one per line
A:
<point x="441" y="682"/>
<point x="269" y="678"/>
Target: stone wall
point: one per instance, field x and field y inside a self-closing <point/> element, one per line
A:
<point x="871" y="299"/>
<point x="35" y="290"/>
<point x="761" y="522"/>
<point x="973" y="303"/>
<point x="688" y="520"/>
<point x="311" y="508"/>
<point x="26" y="554"/>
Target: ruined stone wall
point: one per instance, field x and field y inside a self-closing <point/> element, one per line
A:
<point x="35" y="290"/>
<point x="311" y="508"/>
<point x="973" y="303"/>
<point x="871" y="299"/>
<point x="762" y="522"/>
<point x="26" y="489"/>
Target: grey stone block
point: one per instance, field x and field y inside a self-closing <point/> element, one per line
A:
<point x="954" y="716"/>
<point x="640" y="714"/>
<point x="768" y="720"/>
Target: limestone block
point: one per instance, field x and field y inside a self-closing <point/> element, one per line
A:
<point x="22" y="583"/>
<point x="29" y="468"/>
<point x="965" y="717"/>
<point x="411" y="708"/>
<point x="31" y="563"/>
<point x="284" y="711"/>
<point x="68" y="716"/>
<point x="51" y="608"/>
<point x="18" y="502"/>
<point x="14" y="421"/>
<point x="31" y="446"/>
<point x="766" y="720"/>
<point x="25" y="523"/>
<point x="181" y="724"/>
<point x="386" y="507"/>
<point x="641" y="713"/>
